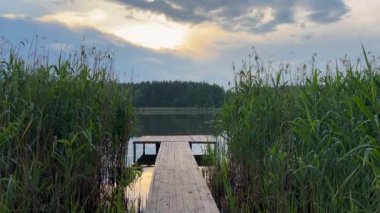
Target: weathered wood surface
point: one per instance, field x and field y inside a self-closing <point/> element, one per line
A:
<point x="179" y="138"/>
<point x="177" y="184"/>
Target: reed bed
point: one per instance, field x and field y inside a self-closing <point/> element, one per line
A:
<point x="63" y="133"/>
<point x="305" y="145"/>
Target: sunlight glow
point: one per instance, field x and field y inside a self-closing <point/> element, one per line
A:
<point x="153" y="36"/>
<point x="141" y="28"/>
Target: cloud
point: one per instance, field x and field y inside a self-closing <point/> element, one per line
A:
<point x="325" y="11"/>
<point x="13" y="16"/>
<point x="141" y="28"/>
<point x="243" y="15"/>
<point x="75" y="19"/>
<point x="196" y="29"/>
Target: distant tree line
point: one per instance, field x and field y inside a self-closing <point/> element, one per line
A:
<point x="176" y="94"/>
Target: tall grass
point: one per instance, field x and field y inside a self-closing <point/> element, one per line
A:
<point x="61" y="126"/>
<point x="306" y="146"/>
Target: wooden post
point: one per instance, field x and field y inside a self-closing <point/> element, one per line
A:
<point x="143" y="149"/>
<point x="134" y="152"/>
<point x="191" y="145"/>
<point x="157" y="148"/>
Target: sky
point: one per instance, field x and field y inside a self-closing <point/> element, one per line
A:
<point x="196" y="40"/>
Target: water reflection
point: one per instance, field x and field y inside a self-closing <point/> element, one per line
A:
<point x="201" y="124"/>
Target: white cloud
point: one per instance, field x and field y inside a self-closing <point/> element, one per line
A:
<point x="13" y="16"/>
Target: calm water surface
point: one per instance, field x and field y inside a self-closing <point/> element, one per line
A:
<point x="170" y="125"/>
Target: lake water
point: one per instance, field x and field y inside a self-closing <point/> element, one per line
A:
<point x="201" y="124"/>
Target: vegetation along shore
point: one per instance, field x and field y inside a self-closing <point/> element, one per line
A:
<point x="310" y="145"/>
<point x="291" y="142"/>
<point x="57" y="138"/>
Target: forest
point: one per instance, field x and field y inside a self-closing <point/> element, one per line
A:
<point x="176" y="94"/>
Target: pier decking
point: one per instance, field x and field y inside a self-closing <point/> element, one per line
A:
<point x="177" y="183"/>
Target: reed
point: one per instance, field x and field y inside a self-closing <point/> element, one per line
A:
<point x="310" y="145"/>
<point x="63" y="128"/>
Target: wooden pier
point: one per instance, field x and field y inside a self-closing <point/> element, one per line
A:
<point x="177" y="183"/>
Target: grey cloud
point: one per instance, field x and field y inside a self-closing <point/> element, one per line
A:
<point x="325" y="11"/>
<point x="303" y="25"/>
<point x="237" y="14"/>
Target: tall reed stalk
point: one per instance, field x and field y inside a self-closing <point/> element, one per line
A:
<point x="306" y="146"/>
<point x="61" y="127"/>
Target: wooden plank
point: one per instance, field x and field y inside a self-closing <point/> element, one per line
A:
<point x="178" y="187"/>
<point x="177" y="184"/>
<point x="190" y="171"/>
<point x="179" y="138"/>
<point x="163" y="193"/>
